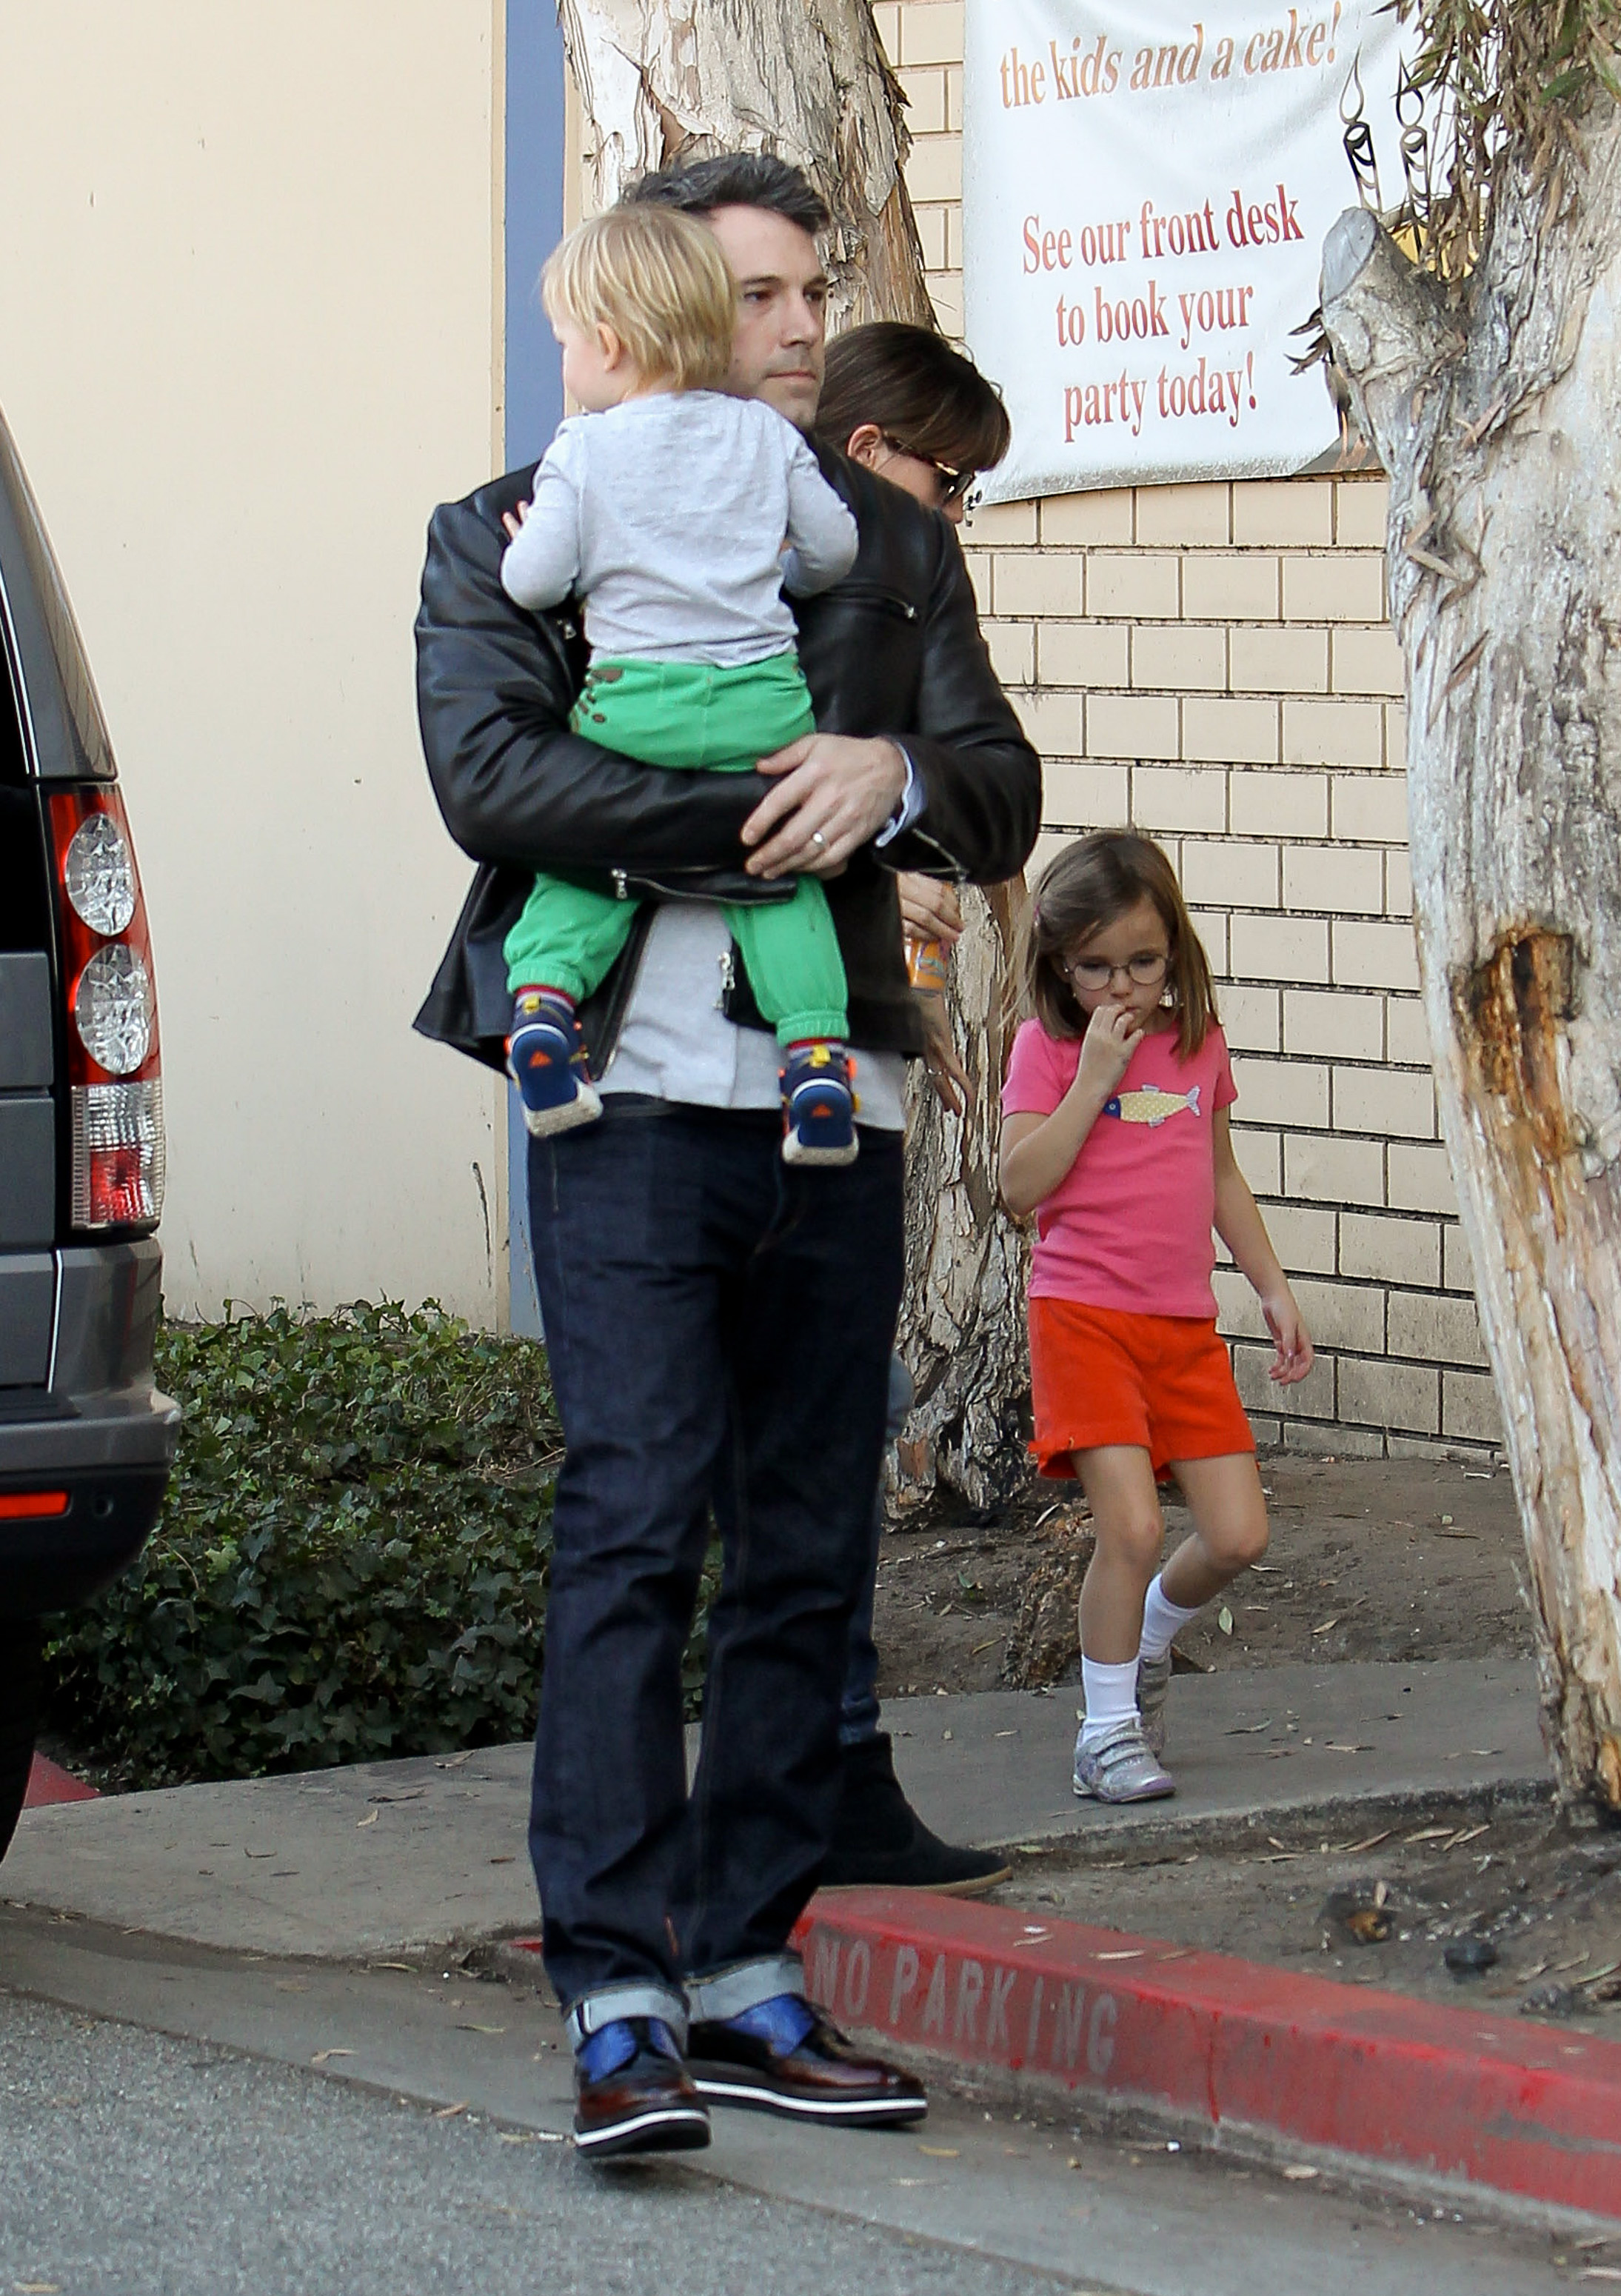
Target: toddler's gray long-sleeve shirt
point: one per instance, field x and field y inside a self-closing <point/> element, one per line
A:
<point x="667" y="516"/>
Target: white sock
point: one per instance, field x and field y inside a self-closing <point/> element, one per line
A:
<point x="1110" y="1692"/>
<point x="1162" y="1621"/>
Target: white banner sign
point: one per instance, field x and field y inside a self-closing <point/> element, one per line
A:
<point x="1144" y="202"/>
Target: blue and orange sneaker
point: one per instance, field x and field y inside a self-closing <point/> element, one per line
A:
<point x="818" y="1105"/>
<point x="545" y="1058"/>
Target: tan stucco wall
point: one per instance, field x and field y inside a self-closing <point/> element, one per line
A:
<point x="249" y="286"/>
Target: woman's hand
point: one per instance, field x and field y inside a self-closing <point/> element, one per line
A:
<point x="946" y="1073"/>
<point x="513" y="520"/>
<point x="1106" y="1050"/>
<point x="1294" y="1357"/>
<point x="929" y="908"/>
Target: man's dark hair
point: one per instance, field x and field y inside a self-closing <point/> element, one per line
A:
<point x="735" y="179"/>
<point x="925" y="397"/>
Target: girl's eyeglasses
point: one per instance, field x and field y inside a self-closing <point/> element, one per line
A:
<point x="1147" y="970"/>
<point x="953" y="484"/>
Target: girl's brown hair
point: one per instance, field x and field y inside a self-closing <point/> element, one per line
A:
<point x="1085" y="888"/>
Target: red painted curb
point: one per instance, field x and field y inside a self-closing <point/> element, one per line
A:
<point x="1514" y="2107"/>
<point x="48" y="1781"/>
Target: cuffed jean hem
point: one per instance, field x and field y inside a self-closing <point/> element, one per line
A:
<point x="723" y="1993"/>
<point x="635" y="1998"/>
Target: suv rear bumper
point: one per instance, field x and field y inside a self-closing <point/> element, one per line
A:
<point x="49" y="1562"/>
<point x="99" y="1438"/>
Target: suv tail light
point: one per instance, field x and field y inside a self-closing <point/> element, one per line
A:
<point x="115" y="1087"/>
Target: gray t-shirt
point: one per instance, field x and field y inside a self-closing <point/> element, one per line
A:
<point x="667" y="517"/>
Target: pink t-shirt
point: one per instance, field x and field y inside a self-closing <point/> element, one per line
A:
<point x="1129" y="1224"/>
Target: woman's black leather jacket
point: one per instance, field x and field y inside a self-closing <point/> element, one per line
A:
<point x="893" y="649"/>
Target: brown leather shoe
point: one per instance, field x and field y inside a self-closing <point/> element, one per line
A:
<point x="794" y="2062"/>
<point x="645" y="2104"/>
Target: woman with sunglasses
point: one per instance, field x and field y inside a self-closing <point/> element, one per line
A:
<point x="901" y="402"/>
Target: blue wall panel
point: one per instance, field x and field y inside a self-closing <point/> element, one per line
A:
<point x="533" y="394"/>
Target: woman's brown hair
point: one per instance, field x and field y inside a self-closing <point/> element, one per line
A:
<point x="926" y="398"/>
<point x="1085" y="888"/>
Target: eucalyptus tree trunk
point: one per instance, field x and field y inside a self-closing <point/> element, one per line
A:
<point x="963" y="1320"/>
<point x="1497" y="422"/>
<point x="669" y="79"/>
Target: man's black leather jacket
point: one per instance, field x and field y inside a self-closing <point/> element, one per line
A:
<point x="893" y="649"/>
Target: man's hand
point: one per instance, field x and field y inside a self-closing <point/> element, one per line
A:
<point x="833" y="792"/>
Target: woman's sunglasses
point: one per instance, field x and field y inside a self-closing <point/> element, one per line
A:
<point x="953" y="484"/>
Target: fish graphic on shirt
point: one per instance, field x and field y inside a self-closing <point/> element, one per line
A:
<point x="1151" y="1103"/>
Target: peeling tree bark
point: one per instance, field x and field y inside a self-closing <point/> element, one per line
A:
<point x="963" y="1323"/>
<point x="666" y="79"/>
<point x="670" y="79"/>
<point x="1498" y="424"/>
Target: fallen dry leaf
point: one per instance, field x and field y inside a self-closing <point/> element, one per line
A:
<point x="37" y="2287"/>
<point x="322" y="2055"/>
<point x="359" y="1822"/>
<point x="1298" y="2174"/>
<point x="449" y="2112"/>
<point x="1428" y="1833"/>
<point x="480" y="2028"/>
<point x="1323" y="1628"/>
<point x="942" y="2152"/>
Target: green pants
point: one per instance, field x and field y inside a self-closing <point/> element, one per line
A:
<point x="694" y="719"/>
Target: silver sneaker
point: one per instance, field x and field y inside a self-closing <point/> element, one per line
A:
<point x="1121" y="1768"/>
<point x="1153" y="1681"/>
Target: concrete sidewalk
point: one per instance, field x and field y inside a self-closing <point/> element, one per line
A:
<point x="344" y="1863"/>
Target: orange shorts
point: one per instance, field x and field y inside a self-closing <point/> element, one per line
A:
<point x="1102" y="1375"/>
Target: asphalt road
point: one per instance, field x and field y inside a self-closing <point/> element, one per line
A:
<point x="173" y="2120"/>
<point x="132" y="2164"/>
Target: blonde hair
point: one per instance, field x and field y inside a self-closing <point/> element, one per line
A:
<point x="659" y="279"/>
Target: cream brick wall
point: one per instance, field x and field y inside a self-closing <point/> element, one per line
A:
<point x="1213" y="663"/>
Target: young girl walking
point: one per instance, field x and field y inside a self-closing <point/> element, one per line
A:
<point x="1116" y="1134"/>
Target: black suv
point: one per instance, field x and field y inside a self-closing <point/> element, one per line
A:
<point x="85" y="1443"/>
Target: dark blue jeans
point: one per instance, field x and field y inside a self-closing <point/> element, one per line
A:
<point x="859" y="1709"/>
<point x="719" y="1328"/>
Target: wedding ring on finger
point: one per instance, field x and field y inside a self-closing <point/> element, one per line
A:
<point x="817" y="837"/>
